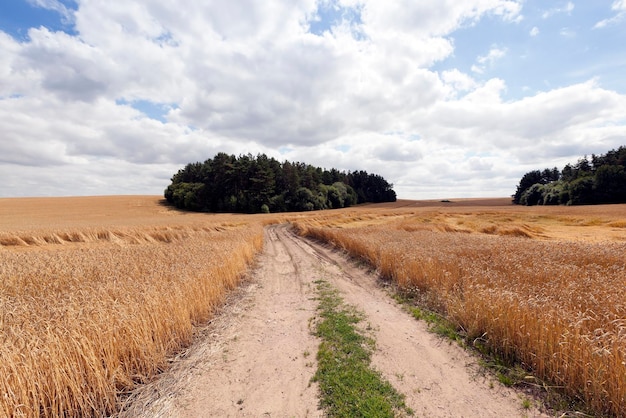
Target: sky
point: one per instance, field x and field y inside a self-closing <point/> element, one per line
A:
<point x="443" y="98"/>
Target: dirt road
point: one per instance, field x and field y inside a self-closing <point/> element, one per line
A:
<point x="258" y="356"/>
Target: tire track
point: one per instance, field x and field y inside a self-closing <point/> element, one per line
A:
<point x="439" y="379"/>
<point x="258" y="356"/>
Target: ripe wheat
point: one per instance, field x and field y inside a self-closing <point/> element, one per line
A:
<point x="557" y="307"/>
<point x="87" y="313"/>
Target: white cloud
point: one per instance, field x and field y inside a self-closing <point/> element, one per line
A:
<point x="618" y="6"/>
<point x="549" y="121"/>
<point x="485" y="61"/>
<point x="460" y="82"/>
<point x="247" y="77"/>
<point x="534" y="31"/>
<point x="432" y="18"/>
<point x="67" y="15"/>
<point x="566" y="9"/>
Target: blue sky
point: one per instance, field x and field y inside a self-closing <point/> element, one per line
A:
<point x="549" y="48"/>
<point x="17" y="16"/>
<point x="444" y="99"/>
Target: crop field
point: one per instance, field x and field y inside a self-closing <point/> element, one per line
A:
<point x="96" y="293"/>
<point x="543" y="286"/>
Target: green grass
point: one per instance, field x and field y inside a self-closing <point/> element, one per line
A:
<point x="437" y="324"/>
<point x="348" y="385"/>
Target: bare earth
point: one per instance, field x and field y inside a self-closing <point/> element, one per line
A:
<point x="257" y="357"/>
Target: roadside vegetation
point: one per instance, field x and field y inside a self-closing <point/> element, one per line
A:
<point x="555" y="308"/>
<point x="348" y="384"/>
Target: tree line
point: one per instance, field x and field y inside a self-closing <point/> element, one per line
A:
<point x="601" y="179"/>
<point x="253" y="184"/>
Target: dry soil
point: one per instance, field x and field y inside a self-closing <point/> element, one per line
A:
<point x="257" y="357"/>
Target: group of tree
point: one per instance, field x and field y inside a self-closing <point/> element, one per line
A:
<point x="249" y="184"/>
<point x="601" y="179"/>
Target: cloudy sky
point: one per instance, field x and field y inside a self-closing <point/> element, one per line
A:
<point x="443" y="98"/>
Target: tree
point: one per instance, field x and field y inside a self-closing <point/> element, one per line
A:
<point x="581" y="191"/>
<point x="610" y="184"/>
<point x="599" y="180"/>
<point x="533" y="195"/>
<point x="529" y="179"/>
<point x="226" y="183"/>
<point x="304" y="200"/>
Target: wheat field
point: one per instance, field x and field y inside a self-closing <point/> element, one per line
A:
<point x="97" y="293"/>
<point x="544" y="287"/>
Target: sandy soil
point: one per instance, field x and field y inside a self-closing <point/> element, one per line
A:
<point x="258" y="356"/>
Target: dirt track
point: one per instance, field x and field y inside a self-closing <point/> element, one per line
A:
<point x="258" y="355"/>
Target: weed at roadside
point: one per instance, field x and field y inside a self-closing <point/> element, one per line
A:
<point x="349" y="386"/>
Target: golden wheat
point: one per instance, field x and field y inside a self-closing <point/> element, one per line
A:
<point x="556" y="306"/>
<point x="87" y="312"/>
<point x="96" y="293"/>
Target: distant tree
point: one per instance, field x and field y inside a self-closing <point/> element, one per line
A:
<point x="305" y="201"/>
<point x="568" y="173"/>
<point x="226" y="183"/>
<point x="549" y="175"/>
<point x="529" y="179"/>
<point x="583" y="166"/>
<point x="610" y="184"/>
<point x="599" y="180"/>
<point x="186" y="195"/>
<point x="581" y="191"/>
<point x="371" y="187"/>
<point x="341" y="195"/>
<point x="533" y="195"/>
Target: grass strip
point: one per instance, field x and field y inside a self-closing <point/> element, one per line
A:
<point x="349" y="386"/>
<point x="437" y="323"/>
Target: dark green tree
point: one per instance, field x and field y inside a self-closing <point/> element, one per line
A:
<point x="610" y="184"/>
<point x="599" y="180"/>
<point x="226" y="183"/>
<point x="529" y="179"/>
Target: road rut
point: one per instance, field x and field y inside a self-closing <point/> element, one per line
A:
<point x="258" y="356"/>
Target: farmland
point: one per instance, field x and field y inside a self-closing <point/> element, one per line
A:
<point x="544" y="287"/>
<point x="96" y="294"/>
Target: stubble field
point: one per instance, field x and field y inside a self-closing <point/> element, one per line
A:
<point x="97" y="293"/>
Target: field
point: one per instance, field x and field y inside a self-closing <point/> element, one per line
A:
<point x="97" y="293"/>
<point x="545" y="287"/>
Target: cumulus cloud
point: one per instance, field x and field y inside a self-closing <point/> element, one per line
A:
<point x="460" y="82"/>
<point x="436" y="18"/>
<point x="246" y="76"/>
<point x="548" y="121"/>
